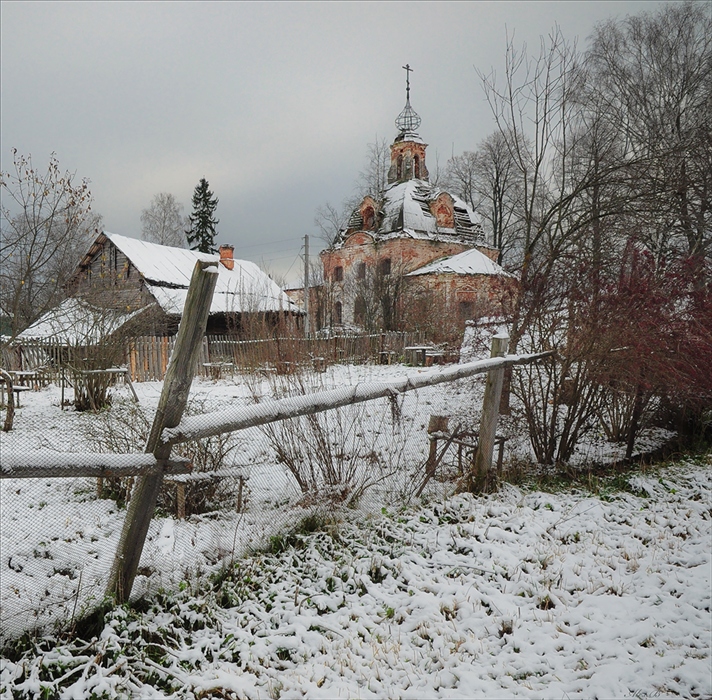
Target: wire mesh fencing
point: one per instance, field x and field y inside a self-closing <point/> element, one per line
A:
<point x="246" y="491"/>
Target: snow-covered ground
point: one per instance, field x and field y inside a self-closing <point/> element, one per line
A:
<point x="521" y="593"/>
<point x="58" y="538"/>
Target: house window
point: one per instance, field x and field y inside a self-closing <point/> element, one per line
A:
<point x="385" y="266"/>
<point x="337" y="313"/>
<point x="361" y="270"/>
<point x="338" y="274"/>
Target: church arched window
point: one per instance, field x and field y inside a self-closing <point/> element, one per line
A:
<point x="369" y="218"/>
<point x="359" y="311"/>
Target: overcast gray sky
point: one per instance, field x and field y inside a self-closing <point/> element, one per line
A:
<point x="273" y="103"/>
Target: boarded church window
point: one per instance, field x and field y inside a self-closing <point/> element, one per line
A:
<point x="399" y="167"/>
<point x="338" y="274"/>
<point x="361" y="271"/>
<point x="385" y="267"/>
<point x="416" y="166"/>
<point x="467" y="310"/>
<point x="337" y="313"/>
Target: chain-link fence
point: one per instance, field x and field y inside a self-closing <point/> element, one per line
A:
<point x="59" y="536"/>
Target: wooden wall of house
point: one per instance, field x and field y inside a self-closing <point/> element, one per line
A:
<point x="110" y="279"/>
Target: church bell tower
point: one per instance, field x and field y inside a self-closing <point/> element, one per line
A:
<point x="407" y="149"/>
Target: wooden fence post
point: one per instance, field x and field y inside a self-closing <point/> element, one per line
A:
<point x="171" y="406"/>
<point x="481" y="472"/>
<point x="10" y="415"/>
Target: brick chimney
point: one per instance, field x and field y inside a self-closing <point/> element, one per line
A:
<point x="226" y="257"/>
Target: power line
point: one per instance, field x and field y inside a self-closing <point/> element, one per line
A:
<point x="257" y="245"/>
<point x="280" y="257"/>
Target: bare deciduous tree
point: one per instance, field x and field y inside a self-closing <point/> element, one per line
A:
<point x="330" y="222"/>
<point x="653" y="73"/>
<point x="488" y="180"/>
<point x="47" y="224"/>
<point x="163" y="221"/>
<point x="372" y="180"/>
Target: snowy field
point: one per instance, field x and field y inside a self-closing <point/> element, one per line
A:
<point x="520" y="594"/>
<point x="600" y="594"/>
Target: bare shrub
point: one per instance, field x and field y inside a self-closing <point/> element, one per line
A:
<point x="618" y="410"/>
<point x="338" y="454"/>
<point x="125" y="428"/>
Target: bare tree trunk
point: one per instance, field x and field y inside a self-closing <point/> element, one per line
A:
<point x="634" y="421"/>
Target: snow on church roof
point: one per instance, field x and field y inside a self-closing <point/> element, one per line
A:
<point x="167" y="272"/>
<point x="406" y="211"/>
<point x="471" y="262"/>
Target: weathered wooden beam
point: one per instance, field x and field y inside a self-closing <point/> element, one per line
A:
<point x="171" y="406"/>
<point x="39" y="465"/>
<point x="241" y="417"/>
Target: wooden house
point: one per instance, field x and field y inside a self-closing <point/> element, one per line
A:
<point x="132" y="274"/>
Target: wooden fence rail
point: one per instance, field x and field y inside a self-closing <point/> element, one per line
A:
<point x="241" y="417"/>
<point x="41" y="464"/>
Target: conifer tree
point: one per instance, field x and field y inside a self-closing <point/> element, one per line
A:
<point x="201" y="234"/>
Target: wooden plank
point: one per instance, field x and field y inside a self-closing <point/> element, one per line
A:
<point x="481" y="473"/>
<point x="44" y="464"/>
<point x="241" y="417"/>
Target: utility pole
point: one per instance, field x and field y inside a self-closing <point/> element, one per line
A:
<point x="306" y="286"/>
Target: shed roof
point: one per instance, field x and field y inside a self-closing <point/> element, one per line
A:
<point x="76" y="322"/>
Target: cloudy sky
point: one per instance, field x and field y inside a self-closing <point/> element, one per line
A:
<point x="273" y="103"/>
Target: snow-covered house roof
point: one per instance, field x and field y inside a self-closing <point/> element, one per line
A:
<point x="76" y="322"/>
<point x="166" y="272"/>
<point x="406" y="211"/>
<point x="470" y="262"/>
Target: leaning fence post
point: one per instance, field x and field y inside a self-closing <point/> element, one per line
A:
<point x="479" y="478"/>
<point x="171" y="405"/>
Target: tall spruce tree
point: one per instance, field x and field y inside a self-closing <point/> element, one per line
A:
<point x="201" y="234"/>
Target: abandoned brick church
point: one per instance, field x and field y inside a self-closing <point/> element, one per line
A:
<point x="413" y="256"/>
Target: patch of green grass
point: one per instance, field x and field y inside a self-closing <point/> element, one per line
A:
<point x="296" y="537"/>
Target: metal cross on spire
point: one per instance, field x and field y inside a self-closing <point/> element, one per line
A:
<point x="408" y="120"/>
<point x="408" y="70"/>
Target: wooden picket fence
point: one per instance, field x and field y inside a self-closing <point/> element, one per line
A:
<point x="147" y="357"/>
